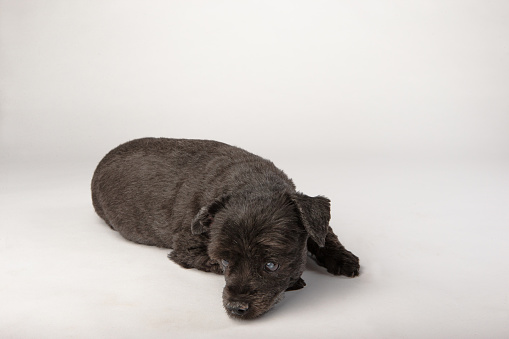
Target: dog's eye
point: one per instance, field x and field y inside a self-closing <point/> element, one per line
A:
<point x="271" y="267"/>
<point x="224" y="262"/>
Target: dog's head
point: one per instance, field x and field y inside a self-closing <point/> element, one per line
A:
<point x="261" y="245"/>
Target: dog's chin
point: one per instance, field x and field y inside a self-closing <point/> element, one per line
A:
<point x="255" y="309"/>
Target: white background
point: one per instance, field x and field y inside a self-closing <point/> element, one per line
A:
<point x="396" y="110"/>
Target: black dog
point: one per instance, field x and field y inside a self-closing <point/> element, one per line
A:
<point x="223" y="210"/>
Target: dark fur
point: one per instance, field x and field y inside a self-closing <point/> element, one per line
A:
<point x="209" y="201"/>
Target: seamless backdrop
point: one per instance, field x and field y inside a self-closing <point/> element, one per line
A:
<point x="398" y="111"/>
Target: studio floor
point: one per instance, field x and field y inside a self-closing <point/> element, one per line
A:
<point x="432" y="239"/>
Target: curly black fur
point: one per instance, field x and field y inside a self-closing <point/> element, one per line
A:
<point x="223" y="210"/>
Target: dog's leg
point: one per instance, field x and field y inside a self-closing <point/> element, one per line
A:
<point x="334" y="256"/>
<point x="195" y="256"/>
<point x="297" y="285"/>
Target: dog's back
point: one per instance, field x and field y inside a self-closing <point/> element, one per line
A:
<point x="150" y="189"/>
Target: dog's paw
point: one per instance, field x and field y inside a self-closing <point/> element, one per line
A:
<point x="175" y="257"/>
<point x="200" y="262"/>
<point x="342" y="263"/>
<point x="212" y="266"/>
<point x="297" y="285"/>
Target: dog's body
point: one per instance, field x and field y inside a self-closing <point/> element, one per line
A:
<point x="223" y="210"/>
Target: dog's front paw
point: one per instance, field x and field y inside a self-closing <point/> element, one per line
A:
<point x="341" y="263"/>
<point x="212" y="266"/>
<point x="194" y="259"/>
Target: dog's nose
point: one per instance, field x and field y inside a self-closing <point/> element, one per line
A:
<point x="237" y="308"/>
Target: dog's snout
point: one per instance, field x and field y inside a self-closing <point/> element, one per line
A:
<point x="237" y="289"/>
<point x="237" y="308"/>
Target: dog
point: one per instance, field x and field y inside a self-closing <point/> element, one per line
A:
<point x="220" y="209"/>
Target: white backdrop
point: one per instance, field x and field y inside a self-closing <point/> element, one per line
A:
<point x="398" y="111"/>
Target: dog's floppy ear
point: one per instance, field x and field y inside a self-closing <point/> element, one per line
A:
<point x="206" y="215"/>
<point x="315" y="215"/>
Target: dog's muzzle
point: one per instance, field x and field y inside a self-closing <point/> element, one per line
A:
<point x="237" y="308"/>
<point x="251" y="309"/>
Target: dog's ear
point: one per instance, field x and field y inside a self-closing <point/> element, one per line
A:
<point x="315" y="215"/>
<point x="205" y="216"/>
